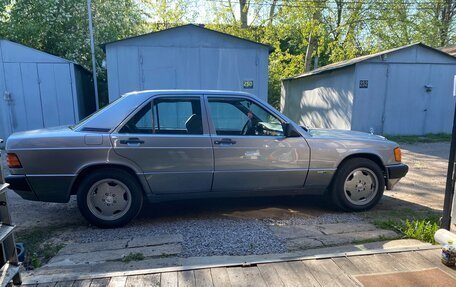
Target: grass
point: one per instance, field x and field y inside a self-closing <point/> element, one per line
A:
<point x="410" y="224"/>
<point x="133" y="256"/>
<point x="39" y="248"/>
<point x="429" y="138"/>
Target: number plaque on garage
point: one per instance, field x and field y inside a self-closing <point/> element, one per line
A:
<point x="248" y="84"/>
<point x="363" y="84"/>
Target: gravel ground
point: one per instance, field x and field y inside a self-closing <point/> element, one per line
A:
<point x="201" y="237"/>
<point x="240" y="226"/>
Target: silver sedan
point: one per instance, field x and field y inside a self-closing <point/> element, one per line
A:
<point x="166" y="145"/>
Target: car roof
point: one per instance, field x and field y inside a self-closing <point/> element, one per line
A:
<point x="189" y="92"/>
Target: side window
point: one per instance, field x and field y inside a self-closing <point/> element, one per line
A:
<point x="167" y="116"/>
<point x="235" y="116"/>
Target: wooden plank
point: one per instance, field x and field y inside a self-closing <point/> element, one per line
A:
<point x="100" y="282"/>
<point x="363" y="265"/>
<point x="119" y="281"/>
<point x="81" y="283"/>
<point x="305" y="276"/>
<point x="149" y="280"/>
<point x="327" y="273"/>
<point x="384" y="263"/>
<point x="287" y="275"/>
<point x="411" y="260"/>
<point x="253" y="276"/>
<point x="433" y="256"/>
<point x="236" y="275"/>
<point x="203" y="278"/>
<point x="186" y="278"/>
<point x="318" y="270"/>
<point x="168" y="279"/>
<point x="270" y="275"/>
<point x="220" y="277"/>
<point x="346" y="265"/>
<point x="52" y="284"/>
<point x="64" y="284"/>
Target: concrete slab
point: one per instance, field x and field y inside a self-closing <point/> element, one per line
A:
<point x="73" y="248"/>
<point x="155" y="240"/>
<point x="111" y="255"/>
<point x="344" y="238"/>
<point x="335" y="228"/>
<point x="296" y="231"/>
<point x="303" y="243"/>
<point x="394" y="244"/>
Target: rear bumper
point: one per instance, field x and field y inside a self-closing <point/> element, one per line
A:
<point x="48" y="188"/>
<point x="394" y="173"/>
<point x="20" y="185"/>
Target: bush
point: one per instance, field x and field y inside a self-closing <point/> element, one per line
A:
<point x="423" y="230"/>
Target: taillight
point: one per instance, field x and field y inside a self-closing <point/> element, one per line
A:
<point x="397" y="154"/>
<point x="13" y="161"/>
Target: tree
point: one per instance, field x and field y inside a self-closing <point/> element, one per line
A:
<point x="60" y="27"/>
<point x="165" y="14"/>
<point x="435" y="22"/>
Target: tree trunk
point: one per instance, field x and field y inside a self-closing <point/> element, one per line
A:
<point x="244" y="10"/>
<point x="272" y="11"/>
<point x="447" y="13"/>
<point x="309" y="52"/>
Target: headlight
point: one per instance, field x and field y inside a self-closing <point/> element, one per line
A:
<point x="398" y="154"/>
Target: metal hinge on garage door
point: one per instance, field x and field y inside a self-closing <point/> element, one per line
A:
<point x="141" y="71"/>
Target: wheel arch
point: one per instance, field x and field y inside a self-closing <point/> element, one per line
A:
<point x="366" y="155"/>
<point x="91" y="168"/>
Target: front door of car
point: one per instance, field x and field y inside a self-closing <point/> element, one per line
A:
<point x="169" y="139"/>
<point x="250" y="149"/>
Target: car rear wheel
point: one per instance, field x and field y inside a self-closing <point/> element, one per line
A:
<point x="109" y="198"/>
<point x="358" y="185"/>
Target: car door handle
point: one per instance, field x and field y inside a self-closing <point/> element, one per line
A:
<point x="225" y="141"/>
<point x="132" y="142"/>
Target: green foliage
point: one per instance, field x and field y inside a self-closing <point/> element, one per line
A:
<point x="423" y="230"/>
<point x="39" y="246"/>
<point x="429" y="138"/>
<point x="133" y="256"/>
<point x="415" y="225"/>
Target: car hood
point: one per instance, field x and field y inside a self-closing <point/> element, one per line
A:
<point x="344" y="134"/>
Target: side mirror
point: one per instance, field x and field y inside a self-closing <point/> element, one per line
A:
<point x="289" y="131"/>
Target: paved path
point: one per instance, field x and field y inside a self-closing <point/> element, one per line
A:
<point x="338" y="270"/>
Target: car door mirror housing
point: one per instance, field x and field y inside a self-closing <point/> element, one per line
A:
<point x="289" y="130"/>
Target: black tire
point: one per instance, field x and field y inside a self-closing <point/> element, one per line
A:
<point x="127" y="188"/>
<point x="344" y="198"/>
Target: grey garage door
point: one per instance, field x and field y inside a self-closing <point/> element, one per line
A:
<point x="37" y="95"/>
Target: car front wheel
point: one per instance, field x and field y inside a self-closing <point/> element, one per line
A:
<point x="358" y="185"/>
<point x="109" y="198"/>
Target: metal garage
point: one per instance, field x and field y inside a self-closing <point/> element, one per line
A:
<point x="40" y="90"/>
<point x="187" y="57"/>
<point x="403" y="91"/>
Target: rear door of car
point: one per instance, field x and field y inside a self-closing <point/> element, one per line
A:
<point x="169" y="139"/>
<point x="263" y="159"/>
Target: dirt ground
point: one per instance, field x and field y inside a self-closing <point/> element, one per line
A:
<point x="424" y="185"/>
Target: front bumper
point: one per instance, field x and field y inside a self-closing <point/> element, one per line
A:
<point x="394" y="173"/>
<point x="20" y="185"/>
